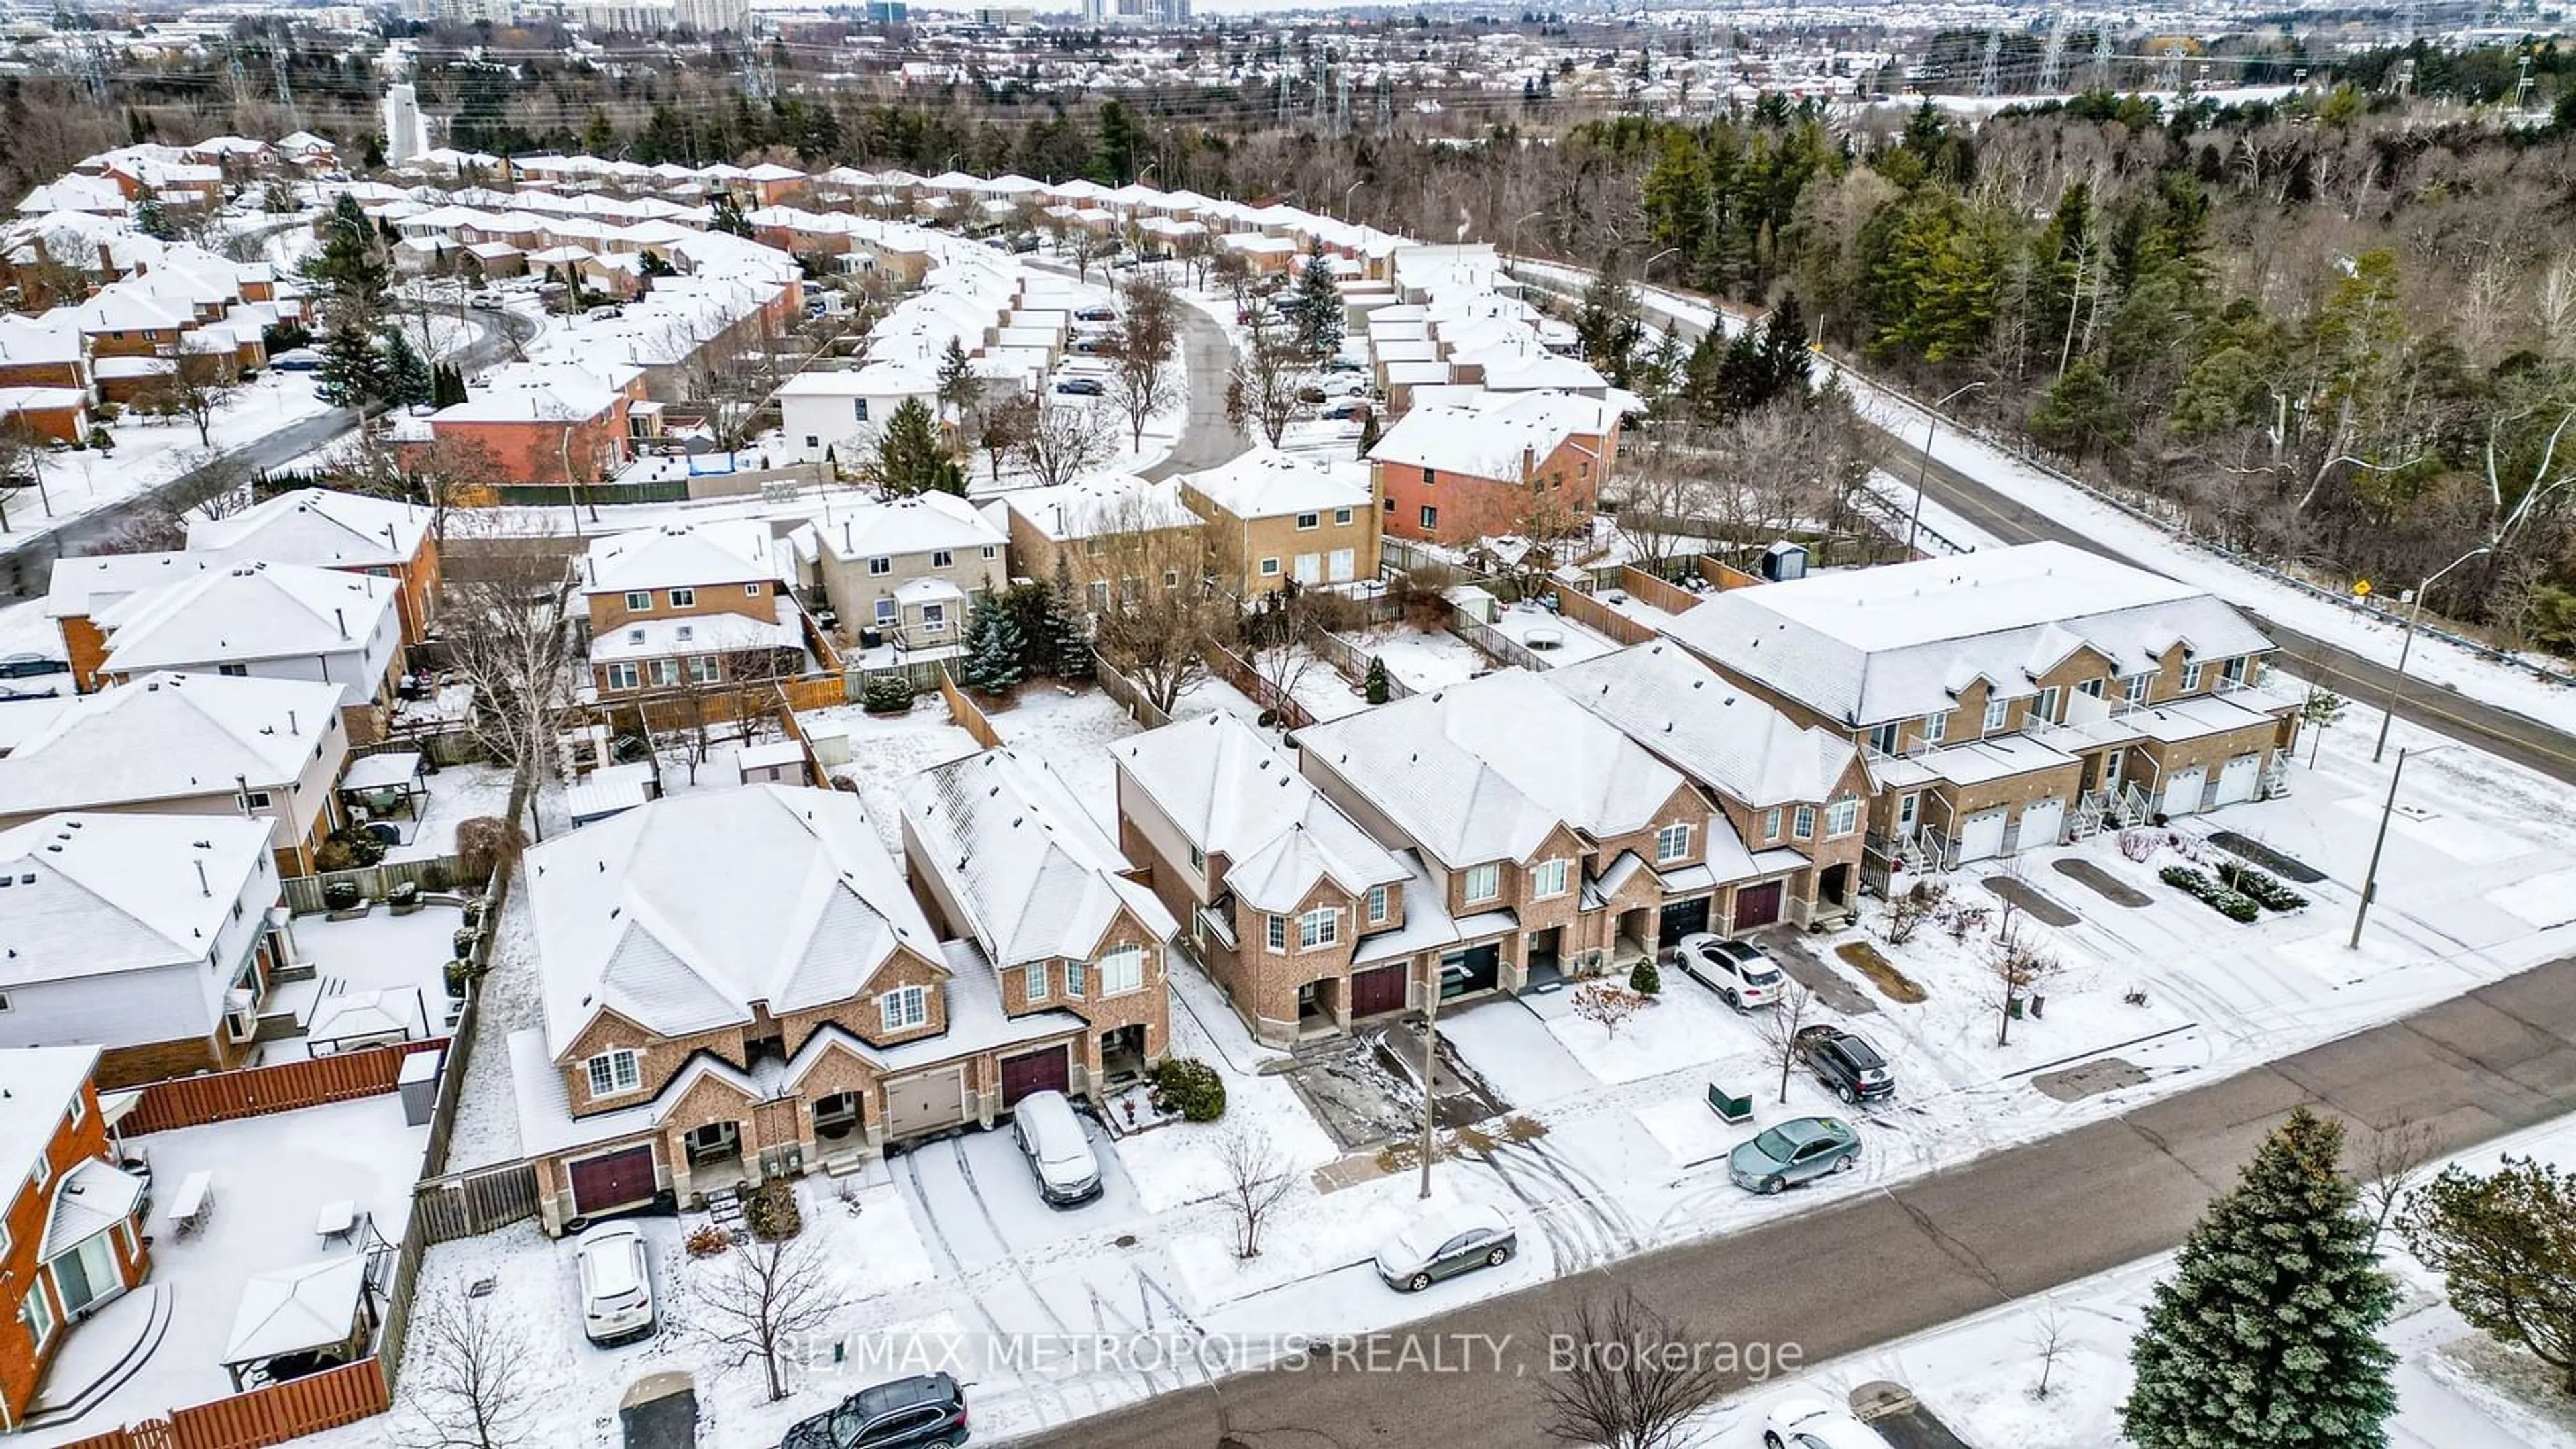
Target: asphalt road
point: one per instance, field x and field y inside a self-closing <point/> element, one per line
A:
<point x="1893" y="1262"/>
<point x="27" y="562"/>
<point x="1208" y="437"/>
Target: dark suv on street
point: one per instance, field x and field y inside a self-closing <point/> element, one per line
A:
<point x="1848" y="1066"/>
<point x="899" y="1414"/>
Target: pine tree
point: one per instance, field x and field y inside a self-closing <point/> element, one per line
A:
<point x="406" y="377"/>
<point x="1069" y="646"/>
<point x="1370" y="432"/>
<point x="993" y="647"/>
<point x="1317" y="306"/>
<point x="958" y="384"/>
<point x="726" y="216"/>
<point x="352" y="372"/>
<point x="1375" y="686"/>
<point x="912" y="457"/>
<point x="2268" y="1332"/>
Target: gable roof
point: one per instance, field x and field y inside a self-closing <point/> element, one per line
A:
<point x="318" y="527"/>
<point x="683" y="555"/>
<point x="1100" y="504"/>
<point x="244" y="611"/>
<point x="1870" y="645"/>
<point x="37" y="1087"/>
<point x="93" y="895"/>
<point x="169" y="736"/>
<point x="1233" y="793"/>
<point x="681" y="913"/>
<point x="1267" y="483"/>
<point x="918" y="524"/>
<point x="1665" y="699"/>
<point x="1485" y="439"/>
<point x="1026" y="864"/>
<point x="1487" y="769"/>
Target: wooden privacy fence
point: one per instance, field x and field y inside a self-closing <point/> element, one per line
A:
<point x="1493" y="643"/>
<point x="375" y="882"/>
<point x="269" y="1415"/>
<point x="966" y="715"/>
<point x="1130" y="695"/>
<point x="258" y="1091"/>
<point x="1234" y="669"/>
<point x="465" y="1204"/>
<point x="1351" y="661"/>
<point x="1662" y="594"/>
<point x="1595" y="615"/>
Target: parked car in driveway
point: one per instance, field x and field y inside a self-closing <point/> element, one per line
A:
<point x="1094" y="313"/>
<point x="1736" y="970"/>
<point x="297" y="359"/>
<point x="1060" y="1157"/>
<point x="1848" y="1065"/>
<point x="1816" y="1424"/>
<point x="1349" y="409"/>
<point x="899" y="1414"/>
<point x="1796" y="1151"/>
<point x="1445" y="1244"/>
<point x="1081" y="387"/>
<point x="616" y="1284"/>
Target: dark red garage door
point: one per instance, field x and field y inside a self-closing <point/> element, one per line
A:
<point x="1758" y="905"/>
<point x="1047" y="1071"/>
<point x="616" y="1180"/>
<point x="1374" y="992"/>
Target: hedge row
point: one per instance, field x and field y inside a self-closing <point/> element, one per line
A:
<point x="2235" y="905"/>
<point x="2267" y="892"/>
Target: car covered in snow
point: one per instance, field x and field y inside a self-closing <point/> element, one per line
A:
<point x="1798" y="1150"/>
<point x="1816" y="1424"/>
<point x="903" y="1413"/>
<point x="1050" y="1136"/>
<point x="1736" y="970"/>
<point x="616" y="1284"/>
<point x="1445" y="1244"/>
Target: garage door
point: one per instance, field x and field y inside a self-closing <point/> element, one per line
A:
<point x="1376" y="992"/>
<point x="615" y="1180"/>
<point x="1478" y="968"/>
<point x="1758" y="905"/>
<point x="1047" y="1071"/>
<point x="915" y="1105"/>
<point x="2041" y="822"/>
<point x="2239" y="778"/>
<point x="1982" y="835"/>
<point x="1682" y="918"/>
<point x="2182" y="792"/>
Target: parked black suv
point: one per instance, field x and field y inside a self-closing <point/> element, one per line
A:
<point x="900" y="1414"/>
<point x="1848" y="1065"/>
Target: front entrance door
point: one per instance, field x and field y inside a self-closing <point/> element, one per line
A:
<point x="1909" y="809"/>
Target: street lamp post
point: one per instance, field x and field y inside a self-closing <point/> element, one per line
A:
<point x="2370" y="878"/>
<point x="2406" y="645"/>
<point x="1515" y="246"/>
<point x="1646" y="268"/>
<point x="1346" y="196"/>
<point x="1923" y="472"/>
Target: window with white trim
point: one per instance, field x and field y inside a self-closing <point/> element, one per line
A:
<point x="990" y="553"/>
<point x="1076" y="978"/>
<point x="639" y="601"/>
<point x="1547" y="878"/>
<point x="934" y="618"/>
<point x="1843" y="816"/>
<point x="1430" y="515"/>
<point x="663" y="671"/>
<point x="684" y="598"/>
<point x="904" y="1008"/>
<point x="880" y="566"/>
<point x="2044" y="709"/>
<point x="1278" y="933"/>
<point x="1341" y="516"/>
<point x="941" y="558"/>
<point x="1936" y="727"/>
<point x="1037" y="984"/>
<point x="1321" y="926"/>
<point x="2133" y="688"/>
<point x="1379" y="903"/>
<point x="612" y="1072"/>
<point x="623" y="676"/>
<point x="1887" y="739"/>
<point x="1998" y="713"/>
<point x="1269" y="568"/>
<point x="1771" y="823"/>
<point x="1306" y="521"/>
<point x="43" y="1174"/>
<point x="1122" y="970"/>
<point x="1484" y="882"/>
<point x="1672" y="842"/>
<point x="1804" y="826"/>
<point x="885" y="611"/>
<point x="751" y="591"/>
<point x="2191" y="677"/>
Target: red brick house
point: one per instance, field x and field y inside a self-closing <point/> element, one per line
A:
<point x="70" y="1231"/>
<point x="1530" y="464"/>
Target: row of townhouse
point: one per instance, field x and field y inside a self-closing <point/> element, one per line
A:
<point x="742" y="983"/>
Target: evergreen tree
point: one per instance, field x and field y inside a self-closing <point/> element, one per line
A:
<point x="1375" y="686"/>
<point x="1316" y="307"/>
<point x="2268" y="1331"/>
<point x="1785" y="358"/>
<point x="726" y="216"/>
<point x="1069" y="649"/>
<point x="1370" y="432"/>
<point x="351" y="267"/>
<point x="912" y="457"/>
<point x="406" y="377"/>
<point x="1031" y="606"/>
<point x="1608" y="328"/>
<point x="598" y="136"/>
<point x="993" y="647"/>
<point x="958" y="384"/>
<point x="1113" y="159"/>
<point x="151" y="220"/>
<point x="352" y="373"/>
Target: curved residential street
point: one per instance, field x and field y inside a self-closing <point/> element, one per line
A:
<point x="1208" y="437"/>
<point x="1877" y="1268"/>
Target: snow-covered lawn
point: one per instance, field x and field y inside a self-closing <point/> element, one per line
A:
<point x="2455" y="1387"/>
<point x="1560" y="640"/>
<point x="152" y="451"/>
<point x="1424" y="660"/>
<point x="457" y="793"/>
<point x="401" y="957"/>
<point x="271" y="1175"/>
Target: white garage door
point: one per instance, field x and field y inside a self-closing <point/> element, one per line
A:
<point x="927" y="1103"/>
<point x="2041" y="820"/>
<point x="2182" y="791"/>
<point x="1982" y="835"/>
<point x="2239" y="778"/>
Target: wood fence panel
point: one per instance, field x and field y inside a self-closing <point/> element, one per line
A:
<point x="279" y="1412"/>
<point x="469" y="1204"/>
<point x="1599" y="617"/>
<point x="1669" y="597"/>
<point x="963" y="713"/>
<point x="1234" y="669"/>
<point x="376" y="882"/>
<point x="1130" y="695"/>
<point x="258" y="1091"/>
<point x="1350" y="659"/>
<point x="1504" y="650"/>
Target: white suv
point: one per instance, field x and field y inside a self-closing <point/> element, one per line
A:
<point x="1736" y="970"/>
<point x="616" y="1284"/>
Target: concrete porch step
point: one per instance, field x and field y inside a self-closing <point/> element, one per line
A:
<point x="106" y="1349"/>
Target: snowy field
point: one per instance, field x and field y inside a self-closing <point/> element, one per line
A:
<point x="2455" y="1386"/>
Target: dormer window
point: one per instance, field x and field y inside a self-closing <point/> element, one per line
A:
<point x="612" y="1073"/>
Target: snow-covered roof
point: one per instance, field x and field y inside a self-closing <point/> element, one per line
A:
<point x="1233" y="793"/>
<point x="244" y="611"/>
<point x="169" y="737"/>
<point x="319" y="527"/>
<point x="1481" y="441"/>
<point x="50" y="338"/>
<point x="97" y="894"/>
<point x="919" y="524"/>
<point x="1030" y="868"/>
<point x="680" y="914"/>
<point x="90" y="1199"/>
<point x="37" y="1088"/>
<point x="1684" y="711"/>
<point x="1267" y="483"/>
<point x="1486" y="769"/>
<point x="287" y="1310"/>
<point x="684" y="555"/>
<point x="1870" y="645"/>
<point x="666" y="636"/>
<point x="1101" y="504"/>
<point x="519" y="392"/>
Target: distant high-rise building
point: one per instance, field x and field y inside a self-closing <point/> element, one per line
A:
<point x="1094" y="12"/>
<point x="888" y="12"/>
<point x="707" y="17"/>
<point x="1171" y="12"/>
<point x="406" y="135"/>
<point x="1003" y="16"/>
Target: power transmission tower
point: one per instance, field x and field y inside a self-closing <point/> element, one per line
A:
<point x="1986" y="79"/>
<point x="1385" y="103"/>
<point x="1342" y="99"/>
<point x="2053" y="58"/>
<point x="2101" y="60"/>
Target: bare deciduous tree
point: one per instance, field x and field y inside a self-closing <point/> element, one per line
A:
<point x="1257" y="1178"/>
<point x="2014" y="971"/>
<point x="1059" y="443"/>
<point x="2393" y="1161"/>
<point x="508" y="637"/>
<point x="1779" y="1027"/>
<point x="2048" y="1339"/>
<point x="1624" y="1376"/>
<point x="762" y="1298"/>
<point x="470" y="1375"/>
<point x="1608" y="1005"/>
<point x="1142" y="381"/>
<point x="197" y="386"/>
<point x="1159" y="616"/>
<point x="1269" y="373"/>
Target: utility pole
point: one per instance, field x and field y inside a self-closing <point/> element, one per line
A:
<point x="2053" y="59"/>
<point x="1431" y="1056"/>
<point x="2101" y="58"/>
<point x="2370" y="880"/>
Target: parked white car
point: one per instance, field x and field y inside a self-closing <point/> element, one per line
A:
<point x="616" y="1284"/>
<point x="1736" y="970"/>
<point x="1816" y="1424"/>
<point x="1060" y="1156"/>
<point x="1445" y="1244"/>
